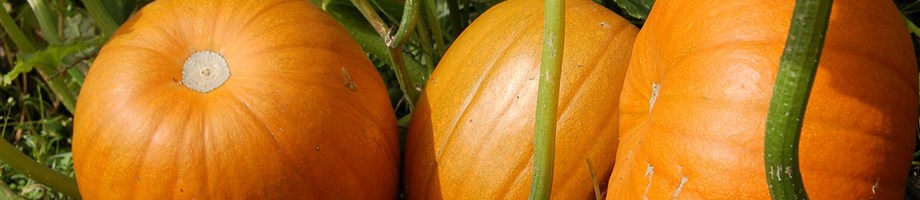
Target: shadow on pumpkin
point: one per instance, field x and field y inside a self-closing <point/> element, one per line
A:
<point x="866" y="81"/>
<point x="420" y="166"/>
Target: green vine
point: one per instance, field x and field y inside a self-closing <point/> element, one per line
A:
<point x="410" y="89"/>
<point x="797" y="68"/>
<point x="38" y="172"/>
<point x="103" y="20"/>
<point x="547" y="98"/>
<point x="19" y="38"/>
<point x="46" y="22"/>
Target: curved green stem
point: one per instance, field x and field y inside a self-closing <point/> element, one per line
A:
<point x="406" y="24"/>
<point x="409" y="87"/>
<point x="547" y="98"/>
<point x="15" y="32"/>
<point x="38" y="172"/>
<point x="98" y="13"/>
<point x="46" y="22"/>
<point x="368" y="11"/>
<point x="790" y="97"/>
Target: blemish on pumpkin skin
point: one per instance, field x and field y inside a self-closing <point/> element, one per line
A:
<point x="649" y="172"/>
<point x="604" y="24"/>
<point x="654" y="97"/>
<point x="683" y="180"/>
<point x="349" y="82"/>
<point x="874" y="187"/>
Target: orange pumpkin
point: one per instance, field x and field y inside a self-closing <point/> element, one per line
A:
<point x="220" y="99"/>
<point x="695" y="101"/>
<point x="471" y="134"/>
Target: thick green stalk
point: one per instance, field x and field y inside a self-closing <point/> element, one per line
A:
<point x="547" y="99"/>
<point x="19" y="38"/>
<point x="38" y="172"/>
<point x="790" y="97"/>
<point x="409" y="88"/>
<point x="98" y="13"/>
<point x="46" y="22"/>
<point x="368" y="11"/>
<point x="406" y="24"/>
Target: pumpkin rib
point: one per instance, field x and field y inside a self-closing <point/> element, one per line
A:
<point x="592" y="64"/>
<point x="522" y="174"/>
<point x="455" y="123"/>
<point x="484" y="80"/>
<point x="146" y="150"/>
<point x="307" y="44"/>
<point x="263" y="11"/>
<point x="884" y="62"/>
<point x="483" y="76"/>
<point x="260" y="120"/>
<point x="276" y="49"/>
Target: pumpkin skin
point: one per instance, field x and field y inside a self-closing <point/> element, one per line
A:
<point x="471" y="134"/>
<point x="715" y="62"/>
<point x="304" y="113"/>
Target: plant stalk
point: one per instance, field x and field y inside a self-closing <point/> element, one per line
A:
<point x="406" y="24"/>
<point x="19" y="38"/>
<point x="797" y="69"/>
<point x="46" y="22"/>
<point x="410" y="89"/>
<point x="547" y="99"/>
<point x="38" y="172"/>
<point x="103" y="20"/>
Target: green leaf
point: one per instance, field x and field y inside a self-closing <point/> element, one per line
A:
<point x="638" y="9"/>
<point x="78" y="27"/>
<point x="52" y="57"/>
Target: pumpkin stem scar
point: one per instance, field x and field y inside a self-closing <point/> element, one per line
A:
<point x="205" y="71"/>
